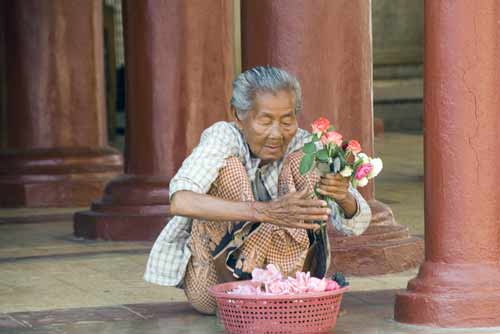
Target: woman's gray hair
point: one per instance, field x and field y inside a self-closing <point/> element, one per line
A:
<point x="262" y="79"/>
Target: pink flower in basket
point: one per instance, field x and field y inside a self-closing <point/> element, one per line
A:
<point x="300" y="283"/>
<point x="269" y="281"/>
<point x="278" y="288"/>
<point x="266" y="276"/>
<point x="332" y="285"/>
<point x="303" y="282"/>
<point x="246" y="289"/>
<point x="317" y="285"/>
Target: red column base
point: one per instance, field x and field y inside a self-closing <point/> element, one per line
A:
<point x="385" y="247"/>
<point x="444" y="295"/>
<point x="132" y="208"/>
<point x="56" y="177"/>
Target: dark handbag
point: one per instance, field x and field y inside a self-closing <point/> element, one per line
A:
<point x="318" y="257"/>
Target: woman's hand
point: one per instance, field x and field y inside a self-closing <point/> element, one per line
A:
<point x="292" y="210"/>
<point x="336" y="187"/>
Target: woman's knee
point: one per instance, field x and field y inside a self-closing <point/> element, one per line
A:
<point x="203" y="305"/>
<point x="232" y="183"/>
<point x="196" y="284"/>
<point x="198" y="296"/>
<point x="233" y="169"/>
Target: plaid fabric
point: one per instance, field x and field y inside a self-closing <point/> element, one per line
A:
<point x="171" y="253"/>
<point x="243" y="246"/>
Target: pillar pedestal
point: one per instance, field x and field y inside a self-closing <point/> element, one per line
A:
<point x="327" y="45"/>
<point x="452" y="295"/>
<point x="56" y="177"/>
<point x="385" y="247"/>
<point x="121" y="213"/>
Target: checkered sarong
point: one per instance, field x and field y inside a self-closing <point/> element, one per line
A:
<point x="244" y="245"/>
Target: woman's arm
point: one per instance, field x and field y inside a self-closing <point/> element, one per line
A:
<point x="290" y="210"/>
<point x="202" y="206"/>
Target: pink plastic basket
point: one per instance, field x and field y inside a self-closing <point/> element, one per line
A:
<point x="313" y="312"/>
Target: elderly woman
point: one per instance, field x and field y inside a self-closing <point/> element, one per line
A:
<point x="239" y="201"/>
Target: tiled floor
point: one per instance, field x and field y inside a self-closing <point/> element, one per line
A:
<point x="51" y="282"/>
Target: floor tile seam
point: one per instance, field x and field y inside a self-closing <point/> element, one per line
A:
<point x="359" y="299"/>
<point x="24" y="324"/>
<point x="31" y="221"/>
<point x="99" y="309"/>
<point x="73" y="255"/>
<point x="68" y="283"/>
<point x="134" y="312"/>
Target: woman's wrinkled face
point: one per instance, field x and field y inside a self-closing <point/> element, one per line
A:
<point x="271" y="125"/>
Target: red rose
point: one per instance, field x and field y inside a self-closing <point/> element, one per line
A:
<point x="354" y="146"/>
<point x="320" y="125"/>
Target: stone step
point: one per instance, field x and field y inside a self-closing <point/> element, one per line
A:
<point x="399" y="103"/>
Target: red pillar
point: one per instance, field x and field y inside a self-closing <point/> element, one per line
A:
<point x="327" y="44"/>
<point x="179" y="68"/>
<point x="459" y="283"/>
<point x="55" y="151"/>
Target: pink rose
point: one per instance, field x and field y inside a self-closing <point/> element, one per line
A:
<point x="354" y="146"/>
<point x="271" y="274"/>
<point x="332" y="137"/>
<point x="246" y="290"/>
<point x="278" y="288"/>
<point x="332" y="285"/>
<point x="320" y="125"/>
<point x="300" y="283"/>
<point x="317" y="285"/>
<point x="363" y="170"/>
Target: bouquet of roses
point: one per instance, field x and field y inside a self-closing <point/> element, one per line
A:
<point x="330" y="153"/>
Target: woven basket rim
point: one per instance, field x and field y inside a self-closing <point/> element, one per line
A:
<point x="219" y="291"/>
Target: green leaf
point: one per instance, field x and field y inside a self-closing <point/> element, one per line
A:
<point x="309" y="148"/>
<point x="343" y="162"/>
<point x="333" y="150"/>
<point x="331" y="128"/>
<point x="356" y="165"/>
<point x="306" y="163"/>
<point x="322" y="155"/>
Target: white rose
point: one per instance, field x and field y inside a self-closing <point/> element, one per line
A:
<point x="346" y="172"/>
<point x="363" y="182"/>
<point x="363" y="157"/>
<point x="377" y="166"/>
